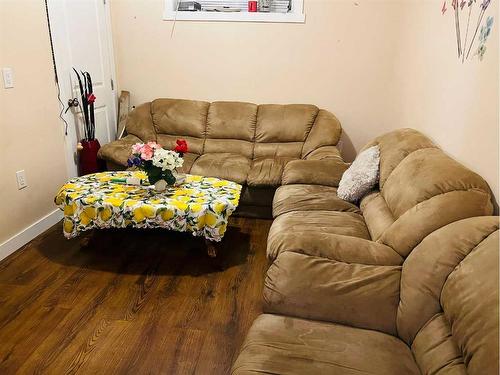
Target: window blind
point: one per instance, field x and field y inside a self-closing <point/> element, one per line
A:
<point x="275" y="6"/>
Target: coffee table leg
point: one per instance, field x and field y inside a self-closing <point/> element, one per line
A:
<point x="211" y="248"/>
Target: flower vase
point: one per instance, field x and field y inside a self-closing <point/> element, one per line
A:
<point x="180" y="178"/>
<point x="88" y="161"/>
<point x="160" y="186"/>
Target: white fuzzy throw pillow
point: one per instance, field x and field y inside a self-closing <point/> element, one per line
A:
<point x="360" y="178"/>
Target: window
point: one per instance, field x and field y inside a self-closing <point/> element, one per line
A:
<point x="236" y="10"/>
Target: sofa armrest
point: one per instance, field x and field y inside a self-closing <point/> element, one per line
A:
<point x="324" y="153"/>
<point x="326" y="172"/>
<point x="316" y="288"/>
<point x="117" y="152"/>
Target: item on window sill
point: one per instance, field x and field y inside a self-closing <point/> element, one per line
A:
<point x="265" y="6"/>
<point x="222" y="9"/>
<point x="189" y="6"/>
<point x="228" y="10"/>
<point x="252" y="6"/>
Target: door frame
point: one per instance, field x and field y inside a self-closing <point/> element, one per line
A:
<point x="59" y="41"/>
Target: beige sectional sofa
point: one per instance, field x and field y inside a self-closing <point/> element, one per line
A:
<point x="243" y="142"/>
<point x="404" y="283"/>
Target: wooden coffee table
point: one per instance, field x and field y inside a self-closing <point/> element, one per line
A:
<point x="201" y="205"/>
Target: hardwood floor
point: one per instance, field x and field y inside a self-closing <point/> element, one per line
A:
<point x="130" y="302"/>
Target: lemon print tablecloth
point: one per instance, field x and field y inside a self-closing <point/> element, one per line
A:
<point x="201" y="205"/>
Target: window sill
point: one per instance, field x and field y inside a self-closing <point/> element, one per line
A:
<point x="235" y="17"/>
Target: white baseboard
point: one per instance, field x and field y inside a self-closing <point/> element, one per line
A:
<point x="26" y="235"/>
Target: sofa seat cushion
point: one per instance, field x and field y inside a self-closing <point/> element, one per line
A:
<point x="283" y="345"/>
<point x="267" y="171"/>
<point x="340" y="236"/>
<point x="223" y="165"/>
<point x="314" y="224"/>
<point x="118" y="151"/>
<point x="302" y="197"/>
<point x="342" y="223"/>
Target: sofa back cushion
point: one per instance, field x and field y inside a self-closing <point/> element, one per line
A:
<point x="281" y="130"/>
<point x="326" y="131"/>
<point x="231" y="128"/>
<point x="423" y="189"/>
<point x="140" y="123"/>
<point x="254" y="131"/>
<point x="397" y="145"/>
<point x="448" y="310"/>
<point x="177" y="118"/>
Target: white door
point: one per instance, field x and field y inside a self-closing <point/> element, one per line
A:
<point x="81" y="39"/>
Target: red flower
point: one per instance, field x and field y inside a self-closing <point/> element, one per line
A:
<point x="91" y="98"/>
<point x="181" y="147"/>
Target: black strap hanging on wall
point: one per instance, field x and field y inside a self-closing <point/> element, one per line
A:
<point x="56" y="78"/>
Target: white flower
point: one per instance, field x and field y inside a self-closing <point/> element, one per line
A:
<point x="166" y="159"/>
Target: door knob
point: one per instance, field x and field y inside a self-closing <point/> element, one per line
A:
<point x="72" y="103"/>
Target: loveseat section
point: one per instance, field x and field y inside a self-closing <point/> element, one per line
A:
<point x="244" y="142"/>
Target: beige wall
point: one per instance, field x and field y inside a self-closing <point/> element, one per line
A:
<point x="455" y="104"/>
<point x="341" y="59"/>
<point x="31" y="134"/>
<point x="378" y="65"/>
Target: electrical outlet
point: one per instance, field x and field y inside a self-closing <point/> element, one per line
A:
<point x="8" y="78"/>
<point x="21" y="179"/>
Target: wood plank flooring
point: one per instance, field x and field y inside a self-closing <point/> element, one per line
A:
<point x="130" y="301"/>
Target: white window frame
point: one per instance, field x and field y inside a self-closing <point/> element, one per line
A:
<point x="296" y="15"/>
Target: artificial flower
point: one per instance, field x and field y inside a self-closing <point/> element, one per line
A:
<point x="91" y="98"/>
<point x="181" y="146"/>
<point x="147" y="152"/>
<point x="153" y="145"/>
<point x="157" y="162"/>
<point x="136" y="149"/>
<point x="166" y="159"/>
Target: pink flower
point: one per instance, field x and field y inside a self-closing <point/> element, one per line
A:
<point x="153" y="145"/>
<point x="147" y="152"/>
<point x="137" y="148"/>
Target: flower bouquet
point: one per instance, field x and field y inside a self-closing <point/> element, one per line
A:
<point x="89" y="145"/>
<point x="159" y="163"/>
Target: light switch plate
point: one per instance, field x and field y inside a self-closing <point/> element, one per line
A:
<point x="8" y="78"/>
<point x="21" y="179"/>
